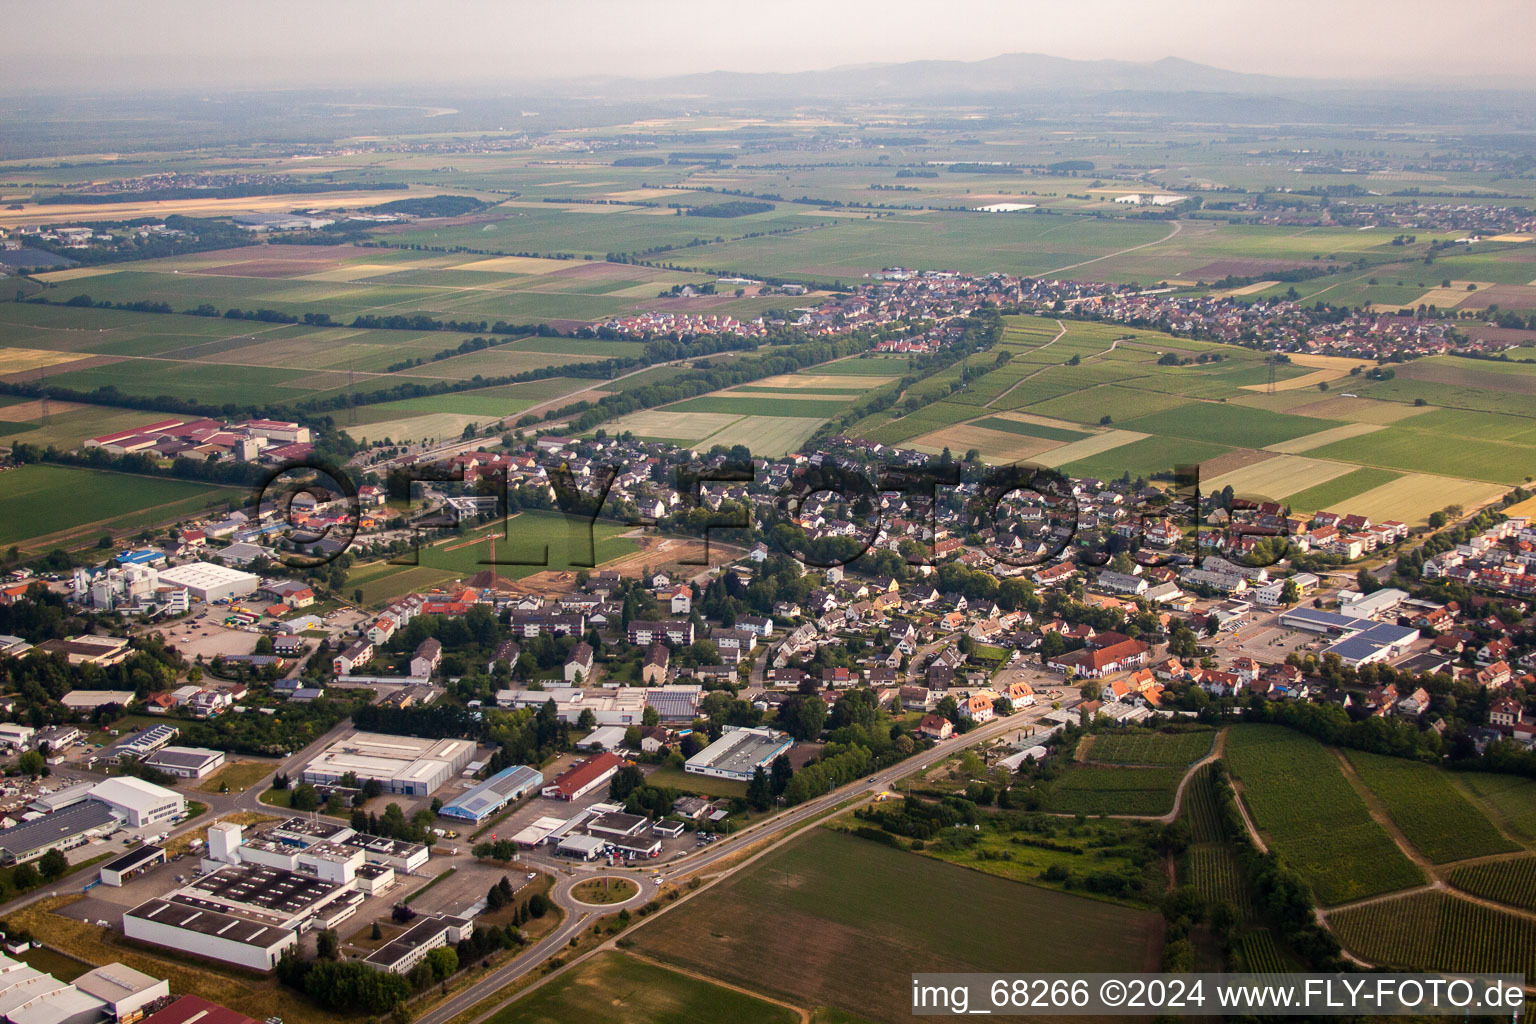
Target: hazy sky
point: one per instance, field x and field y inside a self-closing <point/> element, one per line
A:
<point x="97" y="44"/>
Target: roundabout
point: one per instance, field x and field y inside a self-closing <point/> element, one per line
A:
<point x="604" y="891"/>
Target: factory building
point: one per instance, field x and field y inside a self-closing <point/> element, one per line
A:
<point x="405" y="765"/>
<point x="205" y="581"/>
<point x="738" y="753"/>
<point x="493" y="794"/>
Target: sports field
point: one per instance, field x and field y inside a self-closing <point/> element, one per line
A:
<point x="529" y="542"/>
<point x="833" y="920"/>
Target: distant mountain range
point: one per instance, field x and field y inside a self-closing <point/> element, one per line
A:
<point x="1009" y="73"/>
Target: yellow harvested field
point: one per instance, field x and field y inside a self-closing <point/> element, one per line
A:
<point x="995" y="446"/>
<point x="1513" y="238"/>
<point x="1309" y="441"/>
<point x="1413" y="497"/>
<point x="1520" y="508"/>
<point x="1361" y="410"/>
<point x="19" y="360"/>
<point x="1089" y="446"/>
<point x="515" y="265"/>
<point x="33" y="213"/>
<point x="1277" y="477"/>
<point x="1327" y="362"/>
<point x="21" y="412"/>
<point x="798" y="396"/>
<point x="353" y="272"/>
<point x="1310" y="380"/>
<point x="681" y="426"/>
<point x="437" y="425"/>
<point x="1447" y="296"/>
<point x="637" y="194"/>
<point x="817" y="381"/>
<point x="767" y="436"/>
<point x="1247" y="289"/>
<point x="75" y="273"/>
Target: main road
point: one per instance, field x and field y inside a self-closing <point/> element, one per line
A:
<point x="776" y="829"/>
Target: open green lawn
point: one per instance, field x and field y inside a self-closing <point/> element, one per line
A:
<point x="688" y="782"/>
<point x="613" y="988"/>
<point x="829" y="919"/>
<point x="41" y="500"/>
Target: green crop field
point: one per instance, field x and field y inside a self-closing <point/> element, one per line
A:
<point x="1231" y="424"/>
<point x="637" y="992"/>
<point x="1202" y="807"/>
<point x="1504" y="881"/>
<point x="1329" y="838"/>
<point x="1111" y="789"/>
<point x="1145" y="747"/>
<point x="1031" y="429"/>
<point x="1432" y="813"/>
<point x="1214" y="870"/>
<point x="833" y="920"/>
<point x="1509" y="800"/>
<point x="1261" y="954"/>
<point x="1332" y="494"/>
<point x="1407" y="448"/>
<point x="43" y="501"/>
<point x="1144" y="457"/>
<point x="1436" y="931"/>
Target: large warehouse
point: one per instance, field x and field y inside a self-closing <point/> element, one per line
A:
<point x="406" y="765"/>
<point x="208" y="582"/>
<point x="138" y="802"/>
<point x="738" y="753"/>
<point x="244" y="914"/>
<point x="493" y="794"/>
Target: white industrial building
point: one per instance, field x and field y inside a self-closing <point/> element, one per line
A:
<point x="738" y="753"/>
<point x="139" y="803"/>
<point x="208" y="582"/>
<point x="407" y="765"/>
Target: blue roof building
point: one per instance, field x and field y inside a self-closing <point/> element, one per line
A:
<point x="493" y="794"/>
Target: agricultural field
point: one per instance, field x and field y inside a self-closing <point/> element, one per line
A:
<point x="1330" y="838"/>
<point x="829" y="919"/>
<point x="639" y="993"/>
<point x="1111" y="789"/>
<point x="1437" y="931"/>
<point x="772" y="416"/>
<point x="1145" y="747"/>
<point x="1432" y="813"/>
<point x="217" y="360"/>
<point x="44" y="506"/>
<point x="1510" y="800"/>
<point x="1510" y="881"/>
